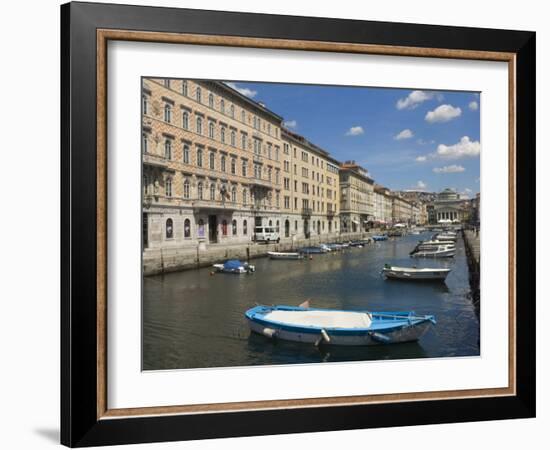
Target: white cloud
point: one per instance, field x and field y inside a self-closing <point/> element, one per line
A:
<point x="473" y="105"/>
<point x="443" y="113"/>
<point x="355" y="131"/>
<point x="242" y="90"/>
<point x="461" y="149"/>
<point x="290" y="124"/>
<point x="413" y="99"/>
<point x="449" y="169"/>
<point x="421" y="185"/>
<point x="421" y="158"/>
<point x="423" y="142"/>
<point x="405" y="134"/>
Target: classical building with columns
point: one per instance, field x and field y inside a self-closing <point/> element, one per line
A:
<point x="449" y="206"/>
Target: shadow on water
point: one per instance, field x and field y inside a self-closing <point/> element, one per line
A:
<point x="192" y="319"/>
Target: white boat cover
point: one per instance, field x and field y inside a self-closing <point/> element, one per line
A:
<point x="322" y="319"/>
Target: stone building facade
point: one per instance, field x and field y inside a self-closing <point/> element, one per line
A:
<point x="402" y="210"/>
<point x="211" y="164"/>
<point x="448" y="206"/>
<point x="382" y="205"/>
<point x="356" y="198"/>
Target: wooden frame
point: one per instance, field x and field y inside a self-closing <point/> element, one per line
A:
<point x="86" y="418"/>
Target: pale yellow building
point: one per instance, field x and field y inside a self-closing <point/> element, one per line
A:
<point x="356" y="198"/>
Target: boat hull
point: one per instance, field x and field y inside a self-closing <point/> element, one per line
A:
<point x="396" y="331"/>
<point x="416" y="276"/>
<point x="439" y="254"/>
<point x="275" y="255"/>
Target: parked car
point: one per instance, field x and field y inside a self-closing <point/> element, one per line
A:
<point x="266" y="234"/>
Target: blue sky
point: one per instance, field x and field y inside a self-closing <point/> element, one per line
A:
<point x="405" y="138"/>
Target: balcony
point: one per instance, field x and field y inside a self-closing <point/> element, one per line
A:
<point x="306" y="212"/>
<point x="154" y="160"/>
<point x="217" y="205"/>
<point x="260" y="182"/>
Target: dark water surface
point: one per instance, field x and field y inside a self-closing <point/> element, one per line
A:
<point x="192" y="319"/>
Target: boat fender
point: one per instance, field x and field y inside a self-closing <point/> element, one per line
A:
<point x="269" y="332"/>
<point x="325" y="335"/>
<point x="379" y="337"/>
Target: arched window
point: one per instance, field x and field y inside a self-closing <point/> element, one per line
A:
<point x="167" y="112"/>
<point x="168" y="149"/>
<point x="296" y="225"/>
<point x="199" y="157"/>
<point x="244" y="167"/>
<point x="199" y="125"/>
<point x="233" y="166"/>
<point x="270" y="223"/>
<point x="233" y="138"/>
<point x="212" y="191"/>
<point x="245" y="227"/>
<point x="318" y="227"/>
<point x="278" y="224"/>
<point x="168" y="187"/>
<point x="211" y="100"/>
<point x="287" y="228"/>
<point x="198" y="94"/>
<point x="211" y="130"/>
<point x="200" y="190"/>
<point x="185" y="120"/>
<point x="186" y="189"/>
<point x="222" y="134"/>
<point x="232" y="111"/>
<point x="184" y="87"/>
<point x="223" y="163"/>
<point x="185" y="153"/>
<point x="234" y="227"/>
<point x="201" y="228"/>
<point x="224" y="227"/>
<point x="243" y="116"/>
<point x="187" y="228"/>
<point x="245" y="196"/>
<point x="169" y="229"/>
<point x="222" y="106"/>
<point x="212" y="160"/>
<point x="234" y="194"/>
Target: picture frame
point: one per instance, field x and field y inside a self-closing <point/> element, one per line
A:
<point x="86" y="418"/>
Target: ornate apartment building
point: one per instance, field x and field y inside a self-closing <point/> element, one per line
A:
<point x="216" y="164"/>
<point x="310" y="188"/>
<point x="383" y="211"/>
<point x="356" y="198"/>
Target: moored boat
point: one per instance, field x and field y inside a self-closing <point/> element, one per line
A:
<point x="234" y="266"/>
<point x="380" y="237"/>
<point x="337" y="327"/>
<point x="312" y="250"/>
<point x="285" y="255"/>
<point x="414" y="273"/>
<point x="441" y="251"/>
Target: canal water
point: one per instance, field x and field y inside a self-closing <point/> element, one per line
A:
<point x="193" y="319"/>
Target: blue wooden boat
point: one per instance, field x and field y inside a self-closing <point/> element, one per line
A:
<point x="380" y="237"/>
<point x="336" y="327"/>
<point x="234" y="266"/>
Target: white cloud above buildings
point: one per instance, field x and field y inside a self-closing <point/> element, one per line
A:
<point x="421" y="185"/>
<point x="473" y="105"/>
<point x="414" y="99"/>
<point x="443" y="113"/>
<point x="243" y="90"/>
<point x="405" y="134"/>
<point x="355" y="131"/>
<point x="421" y="158"/>
<point x="290" y="124"/>
<point x="464" y="148"/>
<point x="449" y="169"/>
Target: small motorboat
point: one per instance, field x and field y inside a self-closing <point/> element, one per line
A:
<point x="414" y="273"/>
<point x="441" y="251"/>
<point x="312" y="250"/>
<point x="446" y="236"/>
<point x="234" y="266"/>
<point x="285" y="255"/>
<point x="427" y="245"/>
<point x="335" y="327"/>
<point x="380" y="237"/>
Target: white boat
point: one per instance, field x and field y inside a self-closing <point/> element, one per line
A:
<point x="446" y="236"/>
<point x="441" y="251"/>
<point x="335" y="327"/>
<point x="414" y="273"/>
<point x="285" y="255"/>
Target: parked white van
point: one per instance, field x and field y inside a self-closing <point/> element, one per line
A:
<point x="266" y="234"/>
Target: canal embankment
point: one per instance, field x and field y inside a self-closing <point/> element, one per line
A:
<point x="471" y="244"/>
<point x="164" y="260"/>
